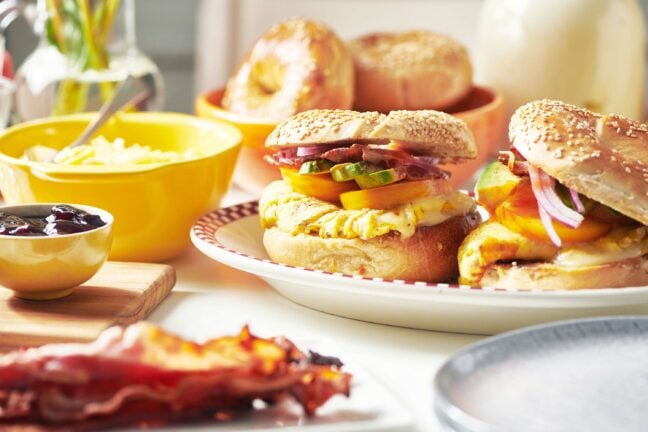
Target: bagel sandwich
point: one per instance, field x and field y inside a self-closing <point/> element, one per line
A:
<point x="568" y="204"/>
<point x="362" y="194"/>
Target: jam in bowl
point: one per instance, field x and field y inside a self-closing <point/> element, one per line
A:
<point x="61" y="219"/>
<point x="46" y="250"/>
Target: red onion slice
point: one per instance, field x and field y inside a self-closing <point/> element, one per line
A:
<point x="543" y="189"/>
<point x="548" y="226"/>
<point x="315" y="150"/>
<point x="577" y="201"/>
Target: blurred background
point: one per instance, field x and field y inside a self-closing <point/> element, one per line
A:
<point x="197" y="43"/>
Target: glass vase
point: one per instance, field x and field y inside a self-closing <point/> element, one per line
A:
<point x="86" y="48"/>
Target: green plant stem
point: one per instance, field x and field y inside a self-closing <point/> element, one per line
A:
<point x="53" y="9"/>
<point x="93" y="26"/>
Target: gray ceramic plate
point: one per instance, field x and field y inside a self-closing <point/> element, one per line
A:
<point x="582" y="375"/>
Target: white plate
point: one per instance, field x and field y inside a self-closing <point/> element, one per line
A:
<point x="369" y="408"/>
<point x="233" y="236"/>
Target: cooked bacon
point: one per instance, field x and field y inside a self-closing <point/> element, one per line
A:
<point x="418" y="167"/>
<point x="288" y="157"/>
<point x="379" y="154"/>
<point x="414" y="167"/>
<point x="142" y="373"/>
<point x="344" y="154"/>
<point x="516" y="163"/>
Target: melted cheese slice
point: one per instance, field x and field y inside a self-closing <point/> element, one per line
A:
<point x="295" y="214"/>
<point x="622" y="243"/>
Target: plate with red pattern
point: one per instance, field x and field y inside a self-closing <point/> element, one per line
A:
<point x="233" y="236"/>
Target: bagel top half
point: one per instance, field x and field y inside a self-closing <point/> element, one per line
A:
<point x="424" y="132"/>
<point x="603" y="157"/>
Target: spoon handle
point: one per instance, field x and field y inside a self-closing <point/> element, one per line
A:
<point x="131" y="90"/>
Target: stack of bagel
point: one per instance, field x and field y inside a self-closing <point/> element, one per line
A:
<point x="300" y="64"/>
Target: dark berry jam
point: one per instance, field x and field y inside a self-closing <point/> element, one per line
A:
<point x="62" y="219"/>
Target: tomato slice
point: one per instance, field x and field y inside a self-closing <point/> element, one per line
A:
<point x="519" y="213"/>
<point x="394" y="195"/>
<point x="320" y="186"/>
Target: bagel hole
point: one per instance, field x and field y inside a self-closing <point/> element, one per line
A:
<point x="270" y="75"/>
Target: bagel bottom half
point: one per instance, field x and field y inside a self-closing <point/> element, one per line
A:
<point x="429" y="255"/>
<point x="548" y="276"/>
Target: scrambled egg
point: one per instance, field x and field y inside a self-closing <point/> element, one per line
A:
<point x="100" y="151"/>
<point x="295" y="213"/>
<point x="492" y="242"/>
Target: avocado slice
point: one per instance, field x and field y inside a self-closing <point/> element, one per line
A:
<point x="348" y="171"/>
<point x="495" y="184"/>
<point x="317" y="166"/>
<point x="379" y="178"/>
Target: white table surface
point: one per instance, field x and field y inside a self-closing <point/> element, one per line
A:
<point x="211" y="299"/>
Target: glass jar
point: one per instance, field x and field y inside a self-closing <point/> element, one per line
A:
<point x="585" y="52"/>
<point x="86" y="48"/>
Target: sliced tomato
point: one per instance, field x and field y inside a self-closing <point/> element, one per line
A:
<point x="320" y="186"/>
<point x="394" y="195"/>
<point x="519" y="213"/>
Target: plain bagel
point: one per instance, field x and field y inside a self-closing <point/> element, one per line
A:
<point x="297" y="65"/>
<point x="409" y="71"/>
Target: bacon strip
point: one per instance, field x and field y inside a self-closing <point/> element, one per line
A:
<point x="416" y="167"/>
<point x="516" y="163"/>
<point x="142" y="373"/>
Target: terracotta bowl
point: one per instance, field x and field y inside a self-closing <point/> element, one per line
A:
<point x="482" y="109"/>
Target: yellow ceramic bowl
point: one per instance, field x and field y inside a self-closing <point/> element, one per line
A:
<point x="154" y="205"/>
<point x="49" y="267"/>
<point x="252" y="173"/>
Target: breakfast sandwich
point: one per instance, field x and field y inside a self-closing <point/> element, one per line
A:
<point x="362" y="193"/>
<point x="568" y="204"/>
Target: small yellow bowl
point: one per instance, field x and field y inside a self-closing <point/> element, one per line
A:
<point x="49" y="267"/>
<point x="252" y="173"/>
<point x="154" y="205"/>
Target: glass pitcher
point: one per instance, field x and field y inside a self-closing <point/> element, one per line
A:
<point x="586" y="52"/>
<point x="86" y="48"/>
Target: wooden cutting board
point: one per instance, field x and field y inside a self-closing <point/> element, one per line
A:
<point x="120" y="293"/>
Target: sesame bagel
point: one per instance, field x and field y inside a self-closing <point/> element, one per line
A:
<point x="604" y="157"/>
<point x="409" y="70"/>
<point x="297" y="65"/>
<point x="424" y="132"/>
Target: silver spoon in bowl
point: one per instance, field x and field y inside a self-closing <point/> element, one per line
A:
<point x="130" y="91"/>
